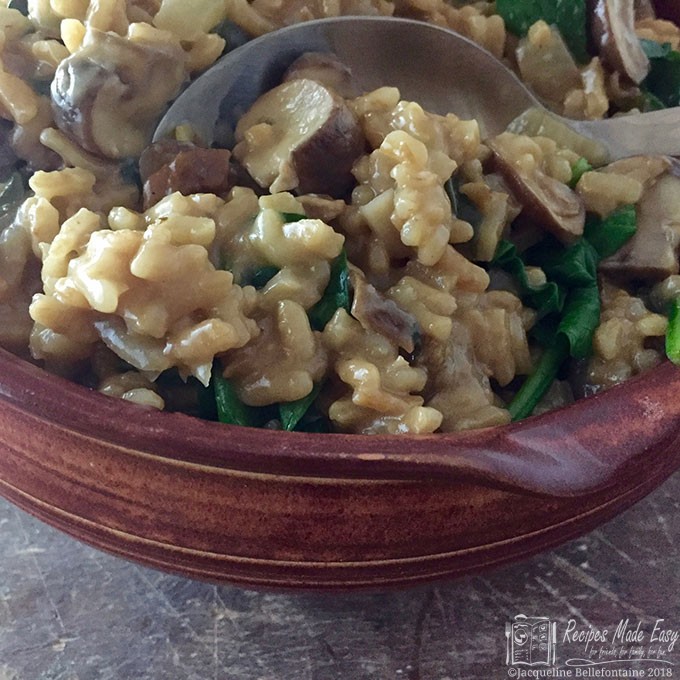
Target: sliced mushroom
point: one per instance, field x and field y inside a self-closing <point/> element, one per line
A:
<point x="109" y="94"/>
<point x="169" y="166"/>
<point x="625" y="93"/>
<point x="376" y="313"/>
<point x="324" y="68"/>
<point x="652" y="253"/>
<point x="300" y="136"/>
<point x="613" y="29"/>
<point x="158" y="154"/>
<point x="548" y="202"/>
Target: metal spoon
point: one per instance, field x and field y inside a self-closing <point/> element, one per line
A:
<point x="440" y="69"/>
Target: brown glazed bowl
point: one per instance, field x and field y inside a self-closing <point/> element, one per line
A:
<point x="273" y="509"/>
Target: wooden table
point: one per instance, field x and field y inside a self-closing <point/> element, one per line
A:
<point x="68" y="612"/>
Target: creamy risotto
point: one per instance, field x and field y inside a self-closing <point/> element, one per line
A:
<point x="354" y="263"/>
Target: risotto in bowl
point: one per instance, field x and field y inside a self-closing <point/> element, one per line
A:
<point x="254" y="358"/>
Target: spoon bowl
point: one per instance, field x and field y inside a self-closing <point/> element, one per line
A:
<point x="436" y="67"/>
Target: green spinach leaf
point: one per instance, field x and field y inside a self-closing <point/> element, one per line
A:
<point x="230" y="409"/>
<point x="580" y="319"/>
<point x="292" y="412"/>
<point x="292" y="217"/>
<point x="654" y="49"/>
<point x="538" y="383"/>
<point x="545" y="299"/>
<point x="648" y="102"/>
<point x="573" y="338"/>
<point x="575" y="265"/>
<point x="578" y="170"/>
<point x="336" y="295"/>
<point x="663" y="79"/>
<point x="261" y="277"/>
<point x="461" y="206"/>
<point x="574" y="270"/>
<point x="609" y="234"/>
<point x="673" y="333"/>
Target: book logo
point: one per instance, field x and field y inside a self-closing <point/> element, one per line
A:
<point x="531" y="641"/>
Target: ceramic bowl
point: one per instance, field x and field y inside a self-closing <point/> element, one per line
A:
<point x="274" y="509"/>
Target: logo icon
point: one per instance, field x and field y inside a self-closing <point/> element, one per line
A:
<point x="531" y="641"/>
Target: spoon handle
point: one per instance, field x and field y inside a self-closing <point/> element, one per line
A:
<point x="656" y="132"/>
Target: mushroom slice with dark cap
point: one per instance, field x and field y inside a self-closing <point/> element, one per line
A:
<point x="652" y="253"/>
<point x="300" y="136"/>
<point x="109" y="94"/>
<point x="168" y="166"/>
<point x="376" y="313"/>
<point x="613" y="30"/>
<point x="548" y="202"/>
<point x="324" y="68"/>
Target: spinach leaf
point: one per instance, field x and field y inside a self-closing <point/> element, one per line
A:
<point x="673" y="333"/>
<point x="292" y="412"/>
<point x="292" y="217"/>
<point x="546" y="299"/>
<point x="336" y="295"/>
<point x="580" y="319"/>
<point x="260" y="278"/>
<point x="578" y="170"/>
<point x="569" y="267"/>
<point x="574" y="269"/>
<point x="654" y="49"/>
<point x="609" y="234"/>
<point x="538" y="383"/>
<point x="461" y="206"/>
<point x="663" y="79"/>
<point x="230" y="409"/>
<point x="573" y="338"/>
<point x="568" y="15"/>
<point x="648" y="102"/>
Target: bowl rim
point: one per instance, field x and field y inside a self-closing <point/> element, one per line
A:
<point x="527" y="456"/>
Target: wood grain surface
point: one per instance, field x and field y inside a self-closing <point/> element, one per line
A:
<point x="69" y="612"/>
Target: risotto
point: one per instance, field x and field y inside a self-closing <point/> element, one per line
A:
<point x="354" y="263"/>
